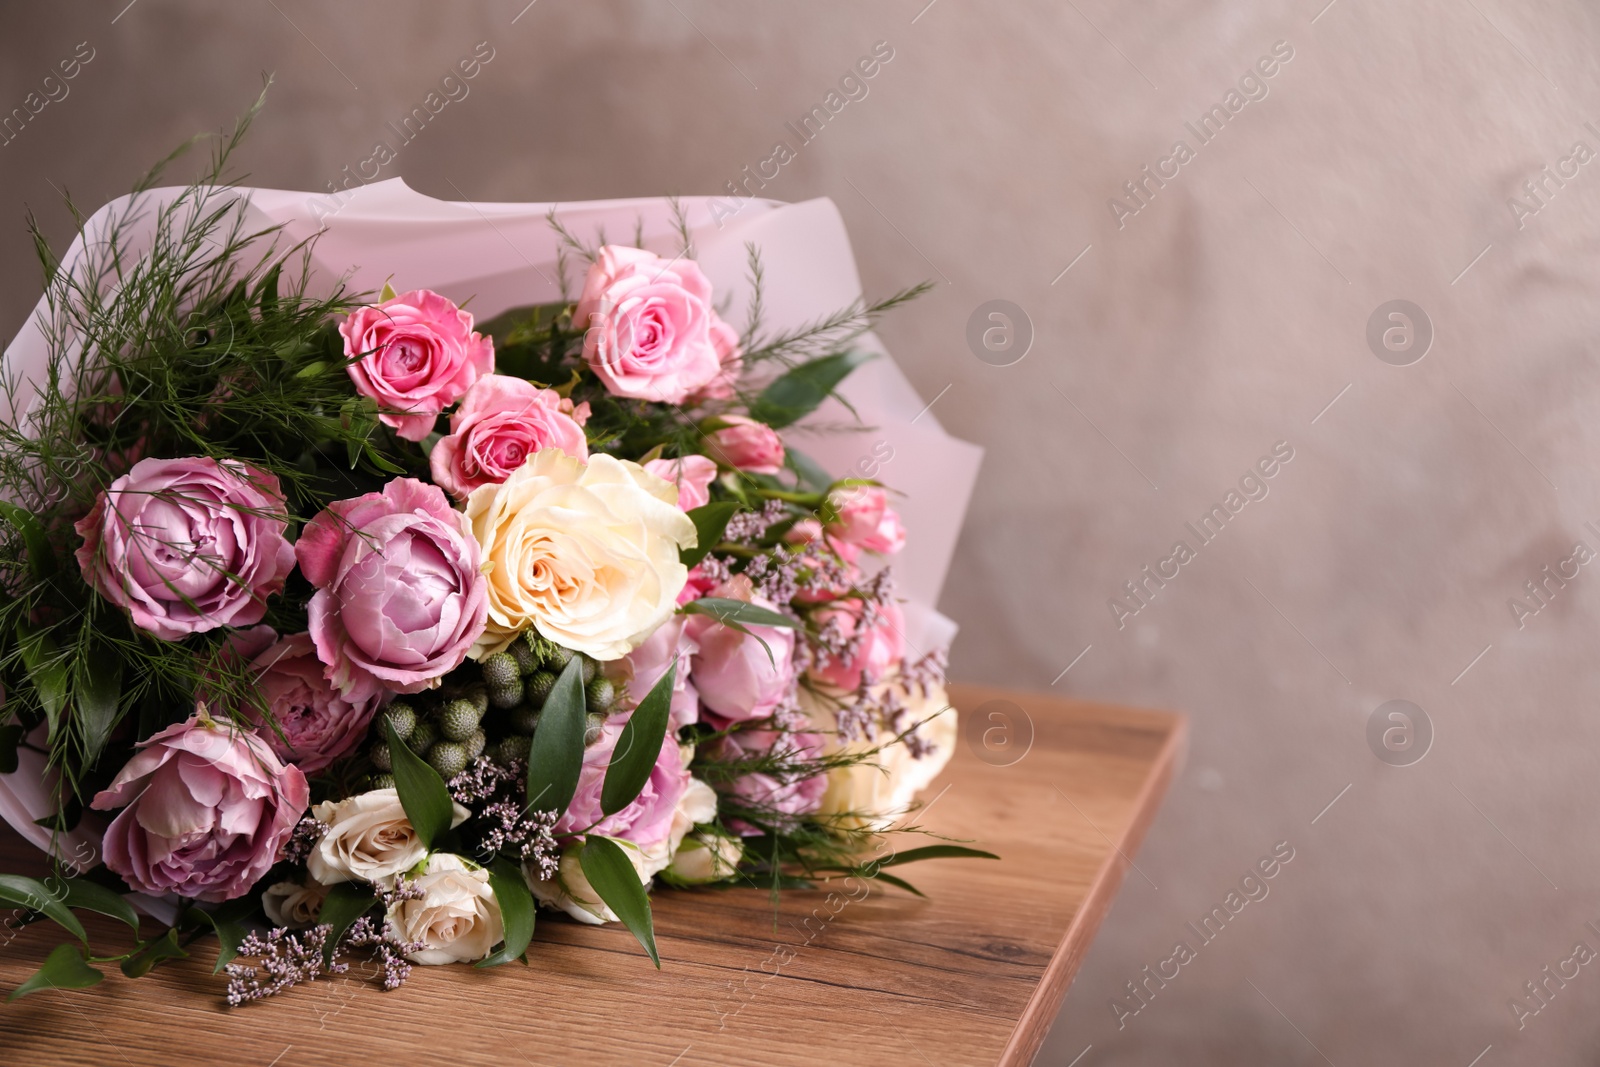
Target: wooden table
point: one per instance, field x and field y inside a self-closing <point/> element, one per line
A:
<point x="973" y="975"/>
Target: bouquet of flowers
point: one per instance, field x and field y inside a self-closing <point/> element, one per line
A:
<point x="354" y="614"/>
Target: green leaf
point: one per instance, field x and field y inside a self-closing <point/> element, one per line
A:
<point x="422" y="792"/>
<point x="88" y="896"/>
<point x="27" y="893"/>
<point x="709" y="522"/>
<point x="555" y="758"/>
<point x="46" y="671"/>
<point x="346" y="903"/>
<point x="612" y="875"/>
<point x="228" y="922"/>
<point x="97" y="691"/>
<point x="639" y="747"/>
<point x="516" y="911"/>
<point x="901" y="882"/>
<point x="728" y="612"/>
<point x="795" y="394"/>
<point x="10" y="737"/>
<point x="64" y="968"/>
<point x="163" y="948"/>
<point x="41" y="558"/>
<point x="934" y="852"/>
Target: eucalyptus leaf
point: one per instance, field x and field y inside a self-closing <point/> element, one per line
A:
<point x="46" y="671"/>
<point x="346" y="902"/>
<point x="728" y="612"/>
<point x="163" y="948"/>
<point x="87" y="896"/>
<point x="812" y="474"/>
<point x="35" y="896"/>
<point x="423" y="793"/>
<point x="710" y="520"/>
<point x="97" y="691"/>
<point x="901" y="882"/>
<point x="933" y="852"/>
<point x="228" y="922"/>
<point x="41" y="558"/>
<point x="64" y="968"/>
<point x="612" y="875"/>
<point x="555" y="759"/>
<point x="516" y="911"/>
<point x="796" y="393"/>
<point x="639" y="747"/>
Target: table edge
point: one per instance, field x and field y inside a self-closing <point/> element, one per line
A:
<point x="1051" y="991"/>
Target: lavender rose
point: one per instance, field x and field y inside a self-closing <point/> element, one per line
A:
<point x="415" y="354"/>
<point x="205" y="809"/>
<point x="187" y="545"/>
<point x="316" y="723"/>
<point x="732" y="671"/>
<point x="648" y="325"/>
<point x="400" y="597"/>
<point x="500" y="423"/>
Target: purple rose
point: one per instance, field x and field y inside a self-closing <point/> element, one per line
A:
<point x="187" y="545"/>
<point x="731" y="670"/>
<point x="205" y="809"/>
<point x="647" y="821"/>
<point x="399" y="597"/>
<point x="316" y="723"/>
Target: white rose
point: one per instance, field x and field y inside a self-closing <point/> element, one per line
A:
<point x="292" y="904"/>
<point x="369" y="839"/>
<point x="586" y="553"/>
<point x="873" y="793"/>
<point x="457" y="919"/>
<point x="705" y="858"/>
<point x="571" y="892"/>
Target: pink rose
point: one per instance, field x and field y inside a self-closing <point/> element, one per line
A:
<point x="748" y="445"/>
<point x="863" y="517"/>
<point x="692" y="475"/>
<point x="865" y="658"/>
<point x="316" y="722"/>
<point x="647" y="821"/>
<point x="778" y="797"/>
<point x="205" y="809"/>
<point x="400" y="598"/>
<point x="725" y="339"/>
<point x="648" y="325"/>
<point x="187" y="545"/>
<point x="696" y="586"/>
<point x="642" y="668"/>
<point x="417" y="356"/>
<point x="732" y="672"/>
<point x="500" y="423"/>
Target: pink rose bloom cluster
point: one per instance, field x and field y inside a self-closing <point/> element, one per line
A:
<point x="500" y="423"/>
<point x="864" y="519"/>
<point x="400" y="594"/>
<point x="747" y="445"/>
<point x="415" y="354"/>
<point x="187" y="545"/>
<point x="317" y="723"/>
<point x="205" y="811"/>
<point x="799" y="796"/>
<point x="651" y="332"/>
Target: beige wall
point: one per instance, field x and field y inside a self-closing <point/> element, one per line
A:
<point x="1218" y="320"/>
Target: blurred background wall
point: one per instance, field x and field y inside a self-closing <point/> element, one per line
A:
<point x="1426" y="152"/>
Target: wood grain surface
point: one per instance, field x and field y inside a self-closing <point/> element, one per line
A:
<point x="866" y="974"/>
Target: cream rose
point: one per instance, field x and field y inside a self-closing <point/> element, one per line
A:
<point x="875" y="792"/>
<point x="705" y="858"/>
<point x="457" y="918"/>
<point x="585" y="553"/>
<point x="368" y="839"/>
<point x="292" y="904"/>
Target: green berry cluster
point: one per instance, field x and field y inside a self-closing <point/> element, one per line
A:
<point x="490" y="707"/>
